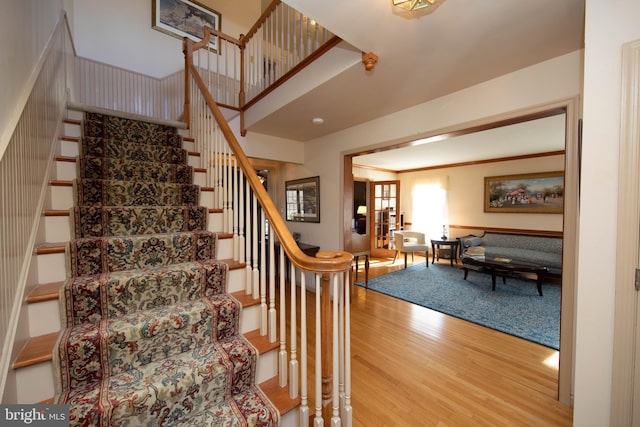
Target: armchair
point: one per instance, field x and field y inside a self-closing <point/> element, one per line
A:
<point x="361" y="247"/>
<point x="411" y="241"/>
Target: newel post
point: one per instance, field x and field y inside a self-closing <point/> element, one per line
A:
<point x="188" y="55"/>
<point x="242" y="94"/>
<point x="327" y="348"/>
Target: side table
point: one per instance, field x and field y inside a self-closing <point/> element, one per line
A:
<point x="452" y="245"/>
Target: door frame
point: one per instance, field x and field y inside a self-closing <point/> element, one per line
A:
<point x="625" y="377"/>
<point x="571" y="107"/>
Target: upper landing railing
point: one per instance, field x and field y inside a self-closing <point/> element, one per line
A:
<point x="239" y="72"/>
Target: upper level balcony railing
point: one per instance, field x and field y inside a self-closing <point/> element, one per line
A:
<point x="239" y="72"/>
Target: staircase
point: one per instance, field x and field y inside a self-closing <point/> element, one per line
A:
<point x="139" y="301"/>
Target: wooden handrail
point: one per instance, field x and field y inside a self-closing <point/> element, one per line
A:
<point x="268" y="11"/>
<point x="325" y="262"/>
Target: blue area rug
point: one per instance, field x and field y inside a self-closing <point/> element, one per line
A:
<point x="514" y="308"/>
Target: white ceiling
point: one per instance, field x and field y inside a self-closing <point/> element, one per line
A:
<point x="423" y="56"/>
<point x="545" y="134"/>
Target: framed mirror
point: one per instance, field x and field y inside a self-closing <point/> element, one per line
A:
<point x="303" y="199"/>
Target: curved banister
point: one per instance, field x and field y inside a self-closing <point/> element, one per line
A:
<point x="325" y="262"/>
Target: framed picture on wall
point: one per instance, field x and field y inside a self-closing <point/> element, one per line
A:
<point x="525" y="193"/>
<point x="303" y="199"/>
<point x="184" y="18"/>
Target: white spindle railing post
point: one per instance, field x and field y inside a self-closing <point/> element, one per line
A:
<point x="293" y="363"/>
<point x="258" y="242"/>
<point x="304" y="391"/>
<point x="272" y="287"/>
<point x="318" y="421"/>
<point x="242" y="256"/>
<point x="347" y="410"/>
<point x="235" y="203"/>
<point x="282" y="355"/>
<point x="263" y="279"/>
<point x="335" y="327"/>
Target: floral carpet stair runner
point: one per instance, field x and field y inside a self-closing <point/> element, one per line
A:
<point x="151" y="337"/>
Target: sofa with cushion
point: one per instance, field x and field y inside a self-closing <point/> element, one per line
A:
<point x="542" y="250"/>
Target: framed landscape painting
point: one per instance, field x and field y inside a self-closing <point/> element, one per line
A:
<point x="183" y="18"/>
<point x="525" y="193"/>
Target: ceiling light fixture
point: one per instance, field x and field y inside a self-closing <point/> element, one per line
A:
<point x="317" y="120"/>
<point x="417" y="4"/>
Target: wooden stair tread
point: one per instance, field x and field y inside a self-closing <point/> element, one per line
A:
<point x="233" y="264"/>
<point x="61" y="183"/>
<point x="70" y="138"/>
<point x="216" y="210"/>
<point x="261" y="342"/>
<point x="56" y="212"/>
<point x="72" y="121"/>
<point x="36" y="350"/>
<point x="69" y="159"/>
<point x="245" y="300"/>
<point x="50" y="248"/>
<point x="279" y="396"/>
<point x="224" y="235"/>
<point x="45" y="292"/>
<point x="207" y="189"/>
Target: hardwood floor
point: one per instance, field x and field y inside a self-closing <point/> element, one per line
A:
<point x="412" y="366"/>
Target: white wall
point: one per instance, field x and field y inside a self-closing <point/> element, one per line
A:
<point x="608" y="26"/>
<point x="25" y="26"/>
<point x="131" y="42"/>
<point x="465" y="194"/>
<point x="552" y="80"/>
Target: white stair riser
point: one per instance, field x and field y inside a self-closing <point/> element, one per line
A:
<point x="44" y="317"/>
<point x="187" y="145"/>
<point x="35" y="383"/>
<point x="200" y="178"/>
<point x="206" y="198"/>
<point x="194" y="161"/>
<point x="51" y="268"/>
<point x="236" y="281"/>
<point x="61" y="197"/>
<point x="225" y="249"/>
<point x="215" y="222"/>
<point x="72" y="130"/>
<point x="65" y="171"/>
<point x="57" y="229"/>
<point x="250" y="319"/>
<point x="75" y="114"/>
<point x="290" y="419"/>
<point x="69" y="148"/>
<point x="267" y="366"/>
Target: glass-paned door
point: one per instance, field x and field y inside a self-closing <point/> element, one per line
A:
<point x="385" y="198"/>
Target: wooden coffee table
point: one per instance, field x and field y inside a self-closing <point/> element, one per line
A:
<point x="505" y="267"/>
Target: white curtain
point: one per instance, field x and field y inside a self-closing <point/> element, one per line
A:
<point x="429" y="200"/>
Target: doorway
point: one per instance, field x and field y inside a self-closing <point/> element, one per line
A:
<point x="569" y="150"/>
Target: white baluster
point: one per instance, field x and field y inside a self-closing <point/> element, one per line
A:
<point x="293" y="363"/>
<point x="263" y="280"/>
<point x="335" y="418"/>
<point x="304" y="392"/>
<point x="318" y="421"/>
<point x="282" y="356"/>
<point x="272" y="287"/>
